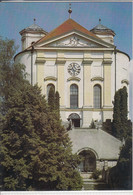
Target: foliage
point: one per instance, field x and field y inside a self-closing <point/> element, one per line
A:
<point x="35" y="149"/>
<point x="107" y="126"/>
<point x="92" y="125"/>
<point x="120" y="176"/>
<point x="57" y="103"/>
<point x="120" y="122"/>
<point x="116" y="115"/>
<point x="96" y="173"/>
<point x="51" y="98"/>
<point x="11" y="76"/>
<point x="7" y="51"/>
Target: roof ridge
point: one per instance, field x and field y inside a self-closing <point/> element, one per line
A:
<point x="51" y="31"/>
<point x="65" y="27"/>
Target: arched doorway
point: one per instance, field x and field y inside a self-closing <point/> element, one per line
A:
<point x="88" y="163"/>
<point x="75" y="118"/>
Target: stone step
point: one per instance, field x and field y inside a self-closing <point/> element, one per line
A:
<point x="91" y="184"/>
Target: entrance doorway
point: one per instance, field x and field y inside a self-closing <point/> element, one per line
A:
<point x="75" y="119"/>
<point x="88" y="163"/>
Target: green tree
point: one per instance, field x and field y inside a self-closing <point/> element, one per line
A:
<point x="51" y="99"/>
<point x="120" y="111"/>
<point x="123" y="111"/>
<point x="11" y="75"/>
<point x="120" y="176"/>
<point x="116" y="116"/>
<point x="57" y="103"/>
<point x="35" y="149"/>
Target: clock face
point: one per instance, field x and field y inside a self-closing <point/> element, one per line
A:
<point x="74" y="69"/>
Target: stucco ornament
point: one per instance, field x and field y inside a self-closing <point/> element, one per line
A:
<point x="76" y="42"/>
<point x="74" y="69"/>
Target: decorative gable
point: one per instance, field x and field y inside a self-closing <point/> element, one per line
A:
<point x="71" y="34"/>
<point x="74" y="41"/>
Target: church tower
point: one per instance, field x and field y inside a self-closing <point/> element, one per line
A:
<point x="31" y="34"/>
<point x="104" y="33"/>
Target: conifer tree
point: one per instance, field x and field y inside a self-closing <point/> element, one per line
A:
<point x="35" y="149"/>
<point x="120" y="111"/>
<point x="51" y="98"/>
<point x="120" y="177"/>
<point x="124" y="111"/>
<point x="57" y="103"/>
<point x="116" y="116"/>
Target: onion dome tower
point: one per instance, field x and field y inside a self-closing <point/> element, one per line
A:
<point x="104" y="33"/>
<point x="31" y="34"/>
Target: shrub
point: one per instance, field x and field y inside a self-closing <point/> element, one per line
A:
<point x="96" y="174"/>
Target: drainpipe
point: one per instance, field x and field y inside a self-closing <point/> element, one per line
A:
<point x="32" y="51"/>
<point x="115" y="66"/>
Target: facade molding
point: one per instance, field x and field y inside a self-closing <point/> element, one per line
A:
<point x="50" y="78"/>
<point x="87" y="62"/>
<point x="87" y="109"/>
<point x="40" y="60"/>
<point x="88" y="149"/>
<point x="54" y="48"/>
<point x="97" y="79"/>
<point x="107" y="61"/>
<point x="60" y="60"/>
<point x="76" y="32"/>
<point x="73" y="79"/>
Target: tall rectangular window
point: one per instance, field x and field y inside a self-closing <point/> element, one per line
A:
<point x="73" y="96"/>
<point x="97" y="96"/>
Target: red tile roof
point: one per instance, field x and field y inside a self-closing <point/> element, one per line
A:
<point x="68" y="26"/>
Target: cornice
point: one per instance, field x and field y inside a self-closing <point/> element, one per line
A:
<point x="74" y="48"/>
<point x="87" y="61"/>
<point x="40" y="60"/>
<point x="86" y="109"/>
<point x="107" y="61"/>
<point x="60" y="60"/>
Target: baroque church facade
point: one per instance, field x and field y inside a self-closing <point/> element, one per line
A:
<point x="86" y="69"/>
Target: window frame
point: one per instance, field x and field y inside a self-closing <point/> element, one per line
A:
<point x="97" y="96"/>
<point x="74" y="96"/>
<point x="51" y="85"/>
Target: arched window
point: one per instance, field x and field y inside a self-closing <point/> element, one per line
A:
<point x="73" y="96"/>
<point x="97" y="96"/>
<point x="48" y="88"/>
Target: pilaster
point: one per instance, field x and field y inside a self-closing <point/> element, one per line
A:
<point x="107" y="84"/>
<point x="40" y="60"/>
<point x="60" y="62"/>
<point x="87" y="89"/>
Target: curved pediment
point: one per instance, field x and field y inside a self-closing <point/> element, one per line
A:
<point x="50" y="78"/>
<point x="97" y="79"/>
<point x="73" y="79"/>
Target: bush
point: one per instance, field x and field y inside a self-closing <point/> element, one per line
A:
<point x="96" y="174"/>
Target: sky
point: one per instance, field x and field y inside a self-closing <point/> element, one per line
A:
<point x="115" y="15"/>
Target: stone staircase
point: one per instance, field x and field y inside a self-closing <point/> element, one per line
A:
<point x="93" y="184"/>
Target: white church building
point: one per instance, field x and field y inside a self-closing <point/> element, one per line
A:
<point x="86" y="69"/>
